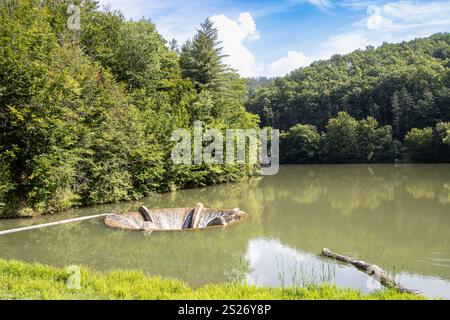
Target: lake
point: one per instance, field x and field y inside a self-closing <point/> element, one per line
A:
<point x="396" y="216"/>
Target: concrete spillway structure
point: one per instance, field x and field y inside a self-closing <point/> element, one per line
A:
<point x="173" y="219"/>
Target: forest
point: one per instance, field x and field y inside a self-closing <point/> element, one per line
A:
<point x="385" y="104"/>
<point x="86" y="115"/>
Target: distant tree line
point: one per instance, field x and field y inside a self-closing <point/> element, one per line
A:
<point x="347" y="140"/>
<point x="339" y="103"/>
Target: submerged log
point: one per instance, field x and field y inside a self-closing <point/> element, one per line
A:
<point x="196" y="215"/>
<point x="371" y="269"/>
<point x="145" y="213"/>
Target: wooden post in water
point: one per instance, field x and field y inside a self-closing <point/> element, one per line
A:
<point x="38" y="226"/>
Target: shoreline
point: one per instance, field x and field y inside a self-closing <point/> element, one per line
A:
<point x="20" y="280"/>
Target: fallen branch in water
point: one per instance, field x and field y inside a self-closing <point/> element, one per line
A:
<point x="371" y="269"/>
<point x="38" y="226"/>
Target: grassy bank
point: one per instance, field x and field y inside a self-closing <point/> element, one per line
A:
<point x="20" y="280"/>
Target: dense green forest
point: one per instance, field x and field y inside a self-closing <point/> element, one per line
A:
<point x="348" y="140"/>
<point x="373" y="105"/>
<point x="86" y="115"/>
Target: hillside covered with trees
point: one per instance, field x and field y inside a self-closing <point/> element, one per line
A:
<point x="86" y="115"/>
<point x="373" y="105"/>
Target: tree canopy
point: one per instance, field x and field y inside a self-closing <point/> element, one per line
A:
<point x="364" y="105"/>
<point x="86" y="115"/>
<point x="404" y="85"/>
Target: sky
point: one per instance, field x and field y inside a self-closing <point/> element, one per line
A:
<point x="273" y="37"/>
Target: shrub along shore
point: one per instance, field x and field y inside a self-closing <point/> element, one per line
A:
<point x="19" y="280"/>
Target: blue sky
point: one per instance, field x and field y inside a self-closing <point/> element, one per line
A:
<point x="274" y="37"/>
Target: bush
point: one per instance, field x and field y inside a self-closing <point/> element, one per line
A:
<point x="300" y="144"/>
<point x="427" y="144"/>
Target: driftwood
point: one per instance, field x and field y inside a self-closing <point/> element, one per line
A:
<point x="371" y="269"/>
<point x="38" y="226"/>
<point x="196" y="215"/>
<point x="145" y="213"/>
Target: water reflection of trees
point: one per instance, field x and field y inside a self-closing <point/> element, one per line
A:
<point x="351" y="188"/>
<point x="387" y="215"/>
<point x="348" y="189"/>
<point x="345" y="188"/>
<point x="366" y="211"/>
<point x="432" y="183"/>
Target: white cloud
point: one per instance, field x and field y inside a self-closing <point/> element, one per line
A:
<point x="359" y="4"/>
<point x="320" y="3"/>
<point x="342" y="44"/>
<point x="282" y="66"/>
<point x="173" y="18"/>
<point x="385" y="21"/>
<point x="402" y="15"/>
<point x="234" y="35"/>
<point x="389" y="22"/>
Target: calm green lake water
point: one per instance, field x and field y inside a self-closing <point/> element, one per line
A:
<point x="395" y="216"/>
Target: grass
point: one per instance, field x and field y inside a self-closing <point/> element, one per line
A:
<point x="19" y="280"/>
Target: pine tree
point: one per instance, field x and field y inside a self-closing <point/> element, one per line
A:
<point x="201" y="59"/>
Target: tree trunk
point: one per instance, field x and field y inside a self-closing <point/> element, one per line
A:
<point x="371" y="269"/>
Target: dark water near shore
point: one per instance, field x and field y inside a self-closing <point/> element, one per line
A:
<point x="395" y="216"/>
